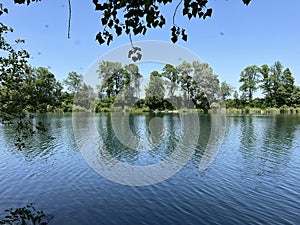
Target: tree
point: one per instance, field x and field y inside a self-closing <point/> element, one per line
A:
<point x="47" y="90"/>
<point x="278" y="84"/>
<point x="171" y="73"/>
<point x="155" y="91"/>
<point x="112" y="77"/>
<point x="85" y="97"/>
<point x="288" y="83"/>
<point x="136" y="17"/>
<point x="24" y="90"/>
<point x="266" y="83"/>
<point x="199" y="84"/>
<point x="73" y="82"/>
<point x="206" y="81"/>
<point x="155" y="85"/>
<point x="249" y="80"/>
<point x="185" y="79"/>
<point x="225" y="90"/>
<point x="133" y="76"/>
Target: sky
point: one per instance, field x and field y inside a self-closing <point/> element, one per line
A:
<point x="236" y="36"/>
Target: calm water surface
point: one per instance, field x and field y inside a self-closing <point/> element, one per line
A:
<point x="253" y="180"/>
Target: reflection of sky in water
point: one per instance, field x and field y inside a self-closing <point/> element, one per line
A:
<point x="254" y="179"/>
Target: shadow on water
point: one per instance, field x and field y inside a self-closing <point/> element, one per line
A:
<point x="266" y="142"/>
<point x="139" y="139"/>
<point x="149" y="138"/>
<point x="42" y="144"/>
<point x="25" y="215"/>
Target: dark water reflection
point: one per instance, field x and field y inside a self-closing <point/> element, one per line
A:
<point x="253" y="180"/>
<point x="267" y="141"/>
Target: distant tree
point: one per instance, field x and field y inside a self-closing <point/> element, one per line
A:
<point x="199" y="84"/>
<point x="249" y="78"/>
<point x="74" y="82"/>
<point x="296" y="96"/>
<point x="85" y="97"/>
<point x="133" y="75"/>
<point x="278" y="84"/>
<point x="276" y="76"/>
<point x="225" y="90"/>
<point x="185" y="81"/>
<point x="206" y="81"/>
<point x="155" y="86"/>
<point x="288" y="83"/>
<point x="112" y="77"/>
<point x="155" y="91"/>
<point x="266" y="84"/>
<point x="171" y="73"/>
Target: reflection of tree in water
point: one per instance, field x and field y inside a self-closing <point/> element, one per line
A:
<point x="39" y="145"/>
<point x="163" y="133"/>
<point x="266" y="142"/>
<point x="205" y="132"/>
<point x="26" y="215"/>
<point x="157" y="137"/>
<point x="112" y="144"/>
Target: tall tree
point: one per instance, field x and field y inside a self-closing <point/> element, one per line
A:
<point x="135" y="77"/>
<point x="74" y="82"/>
<point x="112" y="77"/>
<point x="47" y="90"/>
<point x="287" y="86"/>
<point x="155" y="91"/>
<point x="266" y="83"/>
<point x="249" y="78"/>
<point x="206" y="81"/>
<point x="171" y="73"/>
<point x="225" y="90"/>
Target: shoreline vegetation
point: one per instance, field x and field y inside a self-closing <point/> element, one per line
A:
<point x="226" y="111"/>
<point x="26" y="91"/>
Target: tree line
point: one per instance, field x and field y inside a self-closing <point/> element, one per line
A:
<point x="188" y="85"/>
<point x="26" y="90"/>
<point x="275" y="83"/>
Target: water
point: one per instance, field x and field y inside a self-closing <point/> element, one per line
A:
<point x="254" y="178"/>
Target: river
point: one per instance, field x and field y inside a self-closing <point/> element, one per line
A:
<point x="252" y="176"/>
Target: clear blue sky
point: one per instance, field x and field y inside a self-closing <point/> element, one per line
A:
<point x="234" y="37"/>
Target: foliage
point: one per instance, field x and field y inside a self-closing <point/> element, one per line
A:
<point x="122" y="83"/>
<point x="225" y="90"/>
<point x="275" y="82"/>
<point x="137" y="17"/>
<point x="17" y="88"/>
<point x="249" y="80"/>
<point x="74" y="82"/>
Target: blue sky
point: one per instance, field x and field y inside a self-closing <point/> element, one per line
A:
<point x="234" y="37"/>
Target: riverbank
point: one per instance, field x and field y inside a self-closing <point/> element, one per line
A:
<point x="246" y="110"/>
